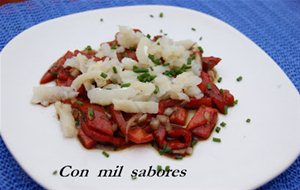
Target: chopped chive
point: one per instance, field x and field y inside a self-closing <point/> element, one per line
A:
<point x="190" y="59"/>
<point x="208" y="86"/>
<point x="108" y="88"/>
<point x="103" y="75"/>
<point x="167" y="168"/>
<point x="151" y="68"/>
<point x="161" y="14"/>
<point x="178" y="157"/>
<point x="132" y="49"/>
<point x="236" y="102"/>
<point x="218" y="129"/>
<point x="154" y="60"/>
<point x="161" y="31"/>
<point x="165" y="150"/>
<point x="114" y="46"/>
<point x="159" y="168"/>
<point x="115" y="69"/>
<point x="239" y="78"/>
<point x="194" y="142"/>
<point x="101" y="19"/>
<point x="105" y="154"/>
<point x="221" y="91"/>
<point x="54" y="74"/>
<point x="148" y="36"/>
<point x="88" y="48"/>
<point x="158" y="43"/>
<point x="133" y="177"/>
<point x="223" y="124"/>
<point x="54" y="172"/>
<point x="225" y="110"/>
<point x="248" y="120"/>
<point x="166" y="64"/>
<point x="156" y="90"/>
<point x="78" y="102"/>
<point x="165" y="34"/>
<point x="151" y="15"/>
<point x="139" y="70"/>
<point x="175" y="72"/>
<point x="194" y="29"/>
<point x="219" y="79"/>
<point x="200" y="38"/>
<point x="146" y="77"/>
<point x="90" y="113"/>
<point x="77" y="122"/>
<point x="125" y="85"/>
<point x="200" y="49"/>
<point x="218" y="140"/>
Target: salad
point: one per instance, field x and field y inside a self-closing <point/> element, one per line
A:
<point x="136" y="89"/>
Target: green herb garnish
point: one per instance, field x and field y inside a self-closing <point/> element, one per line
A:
<point x="194" y="142"/>
<point x="156" y="90"/>
<point x="178" y="157"/>
<point x="88" y="48"/>
<point x="194" y="29"/>
<point x="175" y="72"/>
<point x="218" y="129"/>
<point x="161" y="15"/>
<point x="223" y="124"/>
<point x="101" y="19"/>
<point x="165" y="150"/>
<point x="200" y="38"/>
<point x="90" y="113"/>
<point x="115" y="69"/>
<point x="125" y="85"/>
<point x="158" y="43"/>
<point x="151" y="16"/>
<point x="248" y="120"/>
<point x="54" y="172"/>
<point x="146" y="77"/>
<point x="159" y="168"/>
<point x="54" y="74"/>
<point x="190" y="59"/>
<point x="148" y="36"/>
<point x="103" y="75"/>
<point x="114" y="46"/>
<point x="167" y="168"/>
<point x="139" y="70"/>
<point x="225" y="110"/>
<point x="200" y="49"/>
<point x="236" y="102"/>
<point x="78" y="102"/>
<point x="219" y="79"/>
<point x="166" y="64"/>
<point x="218" y="140"/>
<point x="239" y="78"/>
<point x="105" y="154"/>
<point x="221" y="91"/>
<point x="154" y="60"/>
<point x="208" y="86"/>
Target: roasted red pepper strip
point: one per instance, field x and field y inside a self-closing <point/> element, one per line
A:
<point x="159" y="136"/>
<point x="163" y="104"/>
<point x="212" y="91"/>
<point x="52" y="72"/>
<point x="228" y="97"/>
<point x="179" y="116"/>
<point x="127" y="53"/>
<point x="209" y="63"/>
<point x="86" y="141"/>
<point x="183" y="133"/>
<point x="139" y="135"/>
<point x="100" y="137"/>
<point x="203" y="122"/>
<point x="118" y="118"/>
<point x="196" y="103"/>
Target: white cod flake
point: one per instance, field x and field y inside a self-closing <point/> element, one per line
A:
<point x="130" y="106"/>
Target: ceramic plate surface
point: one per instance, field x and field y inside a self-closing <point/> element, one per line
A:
<point x="249" y="155"/>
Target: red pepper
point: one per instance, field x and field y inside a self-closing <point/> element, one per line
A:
<point x="159" y="136"/>
<point x="139" y="135"/>
<point x="209" y="63"/>
<point x="196" y="103"/>
<point x="100" y="137"/>
<point x="163" y="104"/>
<point x="203" y="122"/>
<point x="212" y="91"/>
<point x="179" y="116"/>
<point x="53" y="71"/>
<point x="180" y="133"/>
<point x="130" y="54"/>
<point x="86" y="141"/>
<point x="118" y="118"/>
<point x="228" y="97"/>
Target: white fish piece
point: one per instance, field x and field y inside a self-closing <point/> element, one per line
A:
<point x="163" y="83"/>
<point x="187" y="44"/>
<point x="142" y="52"/>
<point x="67" y="121"/>
<point x="104" y="97"/>
<point x="128" y="63"/>
<point x="128" y="76"/>
<point x="93" y="75"/>
<point x="127" y="37"/>
<point x="46" y="95"/>
<point x="130" y="106"/>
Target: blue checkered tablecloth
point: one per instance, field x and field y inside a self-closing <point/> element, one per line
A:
<point x="272" y="25"/>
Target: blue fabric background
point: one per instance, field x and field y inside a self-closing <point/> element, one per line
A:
<point x="273" y="25"/>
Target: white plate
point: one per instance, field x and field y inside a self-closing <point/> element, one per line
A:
<point x="249" y="155"/>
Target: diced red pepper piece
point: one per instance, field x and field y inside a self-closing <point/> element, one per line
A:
<point x="203" y="122"/>
<point x="196" y="103"/>
<point x="118" y="118"/>
<point x="203" y="116"/>
<point x="127" y="53"/>
<point x="99" y="121"/>
<point x="163" y="104"/>
<point x="139" y="135"/>
<point x="181" y="133"/>
<point x="209" y="63"/>
<point x="100" y="137"/>
<point x="228" y="97"/>
<point x="179" y="116"/>
<point x="52" y="72"/>
<point x="159" y="136"/>
<point x="86" y="141"/>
